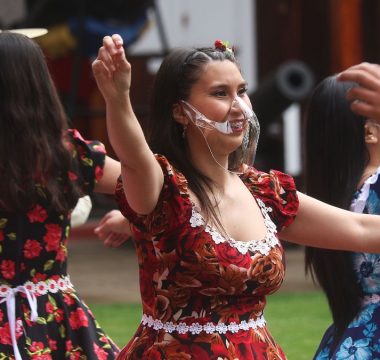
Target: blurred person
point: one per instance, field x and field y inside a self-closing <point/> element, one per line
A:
<point x="45" y="169"/>
<point x="342" y="169"/>
<point x="206" y="224"/>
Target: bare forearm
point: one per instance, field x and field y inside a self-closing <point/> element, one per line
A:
<point x="321" y="225"/>
<point x="125" y="134"/>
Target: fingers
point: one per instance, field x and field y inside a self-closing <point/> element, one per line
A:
<point x="112" y="53"/>
<point x="365" y="74"/>
<point x="366" y="96"/>
<point x="362" y="94"/>
<point x="366" y="110"/>
<point x="115" y="240"/>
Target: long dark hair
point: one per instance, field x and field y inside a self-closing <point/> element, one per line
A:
<point x="178" y="73"/>
<point x="336" y="157"/>
<point x="33" y="157"/>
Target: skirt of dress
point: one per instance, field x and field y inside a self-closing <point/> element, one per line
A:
<point x="361" y="339"/>
<point x="65" y="329"/>
<point x="255" y="344"/>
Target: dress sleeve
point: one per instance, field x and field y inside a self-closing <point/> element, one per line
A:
<point x="172" y="208"/>
<point x="90" y="156"/>
<point x="278" y="191"/>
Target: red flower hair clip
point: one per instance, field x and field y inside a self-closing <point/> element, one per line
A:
<point x="223" y="46"/>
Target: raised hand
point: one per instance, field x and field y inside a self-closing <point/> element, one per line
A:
<point x="365" y="97"/>
<point x="111" y="69"/>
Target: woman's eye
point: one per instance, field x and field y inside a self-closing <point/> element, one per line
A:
<point x="220" y="93"/>
<point x="243" y="91"/>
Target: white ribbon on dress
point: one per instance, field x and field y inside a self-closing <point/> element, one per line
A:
<point x="10" y="301"/>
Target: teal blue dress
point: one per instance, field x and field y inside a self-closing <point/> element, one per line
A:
<point x="361" y="339"/>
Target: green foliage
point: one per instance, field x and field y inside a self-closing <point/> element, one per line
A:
<point x="296" y="320"/>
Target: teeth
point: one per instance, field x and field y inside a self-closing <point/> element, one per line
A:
<point x="237" y="125"/>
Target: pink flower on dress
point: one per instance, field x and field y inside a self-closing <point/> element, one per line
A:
<point x="59" y="315"/>
<point x="52" y="237"/>
<point x="41" y="357"/>
<point x="52" y="344"/>
<point x="37" y="214"/>
<point x="61" y="254"/>
<point x="39" y="277"/>
<point x="32" y="249"/>
<point x="69" y="345"/>
<point x="68" y="299"/>
<point x="37" y="346"/>
<point x="72" y="176"/>
<point x="78" y="319"/>
<point x="73" y="355"/>
<point x="49" y="307"/>
<point x="7" y="269"/>
<point x="5" y="336"/>
<point x="98" y="172"/>
<point x="100" y="353"/>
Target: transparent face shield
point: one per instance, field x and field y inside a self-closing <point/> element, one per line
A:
<point x="246" y="152"/>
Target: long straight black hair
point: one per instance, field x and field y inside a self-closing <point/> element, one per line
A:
<point x="336" y="156"/>
<point x="33" y="157"/>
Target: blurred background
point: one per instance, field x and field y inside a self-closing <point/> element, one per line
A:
<point x="285" y="47"/>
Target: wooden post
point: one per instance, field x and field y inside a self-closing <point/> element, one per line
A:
<point x="346" y="45"/>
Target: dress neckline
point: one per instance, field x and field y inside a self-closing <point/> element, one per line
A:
<point x="262" y="245"/>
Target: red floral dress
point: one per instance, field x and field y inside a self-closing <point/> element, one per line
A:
<point x="41" y="315"/>
<point x="203" y="295"/>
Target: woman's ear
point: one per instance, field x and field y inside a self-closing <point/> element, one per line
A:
<point x="179" y="115"/>
<point x="371" y="135"/>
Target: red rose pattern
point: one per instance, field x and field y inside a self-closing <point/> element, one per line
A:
<point x="185" y="276"/>
<point x="78" y="318"/>
<point x="42" y="256"/>
<point x="37" y="214"/>
<point x="32" y="249"/>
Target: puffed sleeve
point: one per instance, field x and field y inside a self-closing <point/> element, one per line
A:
<point x="90" y="156"/>
<point x="173" y="206"/>
<point x="278" y="191"/>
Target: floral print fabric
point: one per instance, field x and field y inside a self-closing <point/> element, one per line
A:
<point x="202" y="297"/>
<point x="33" y="251"/>
<point x="361" y="340"/>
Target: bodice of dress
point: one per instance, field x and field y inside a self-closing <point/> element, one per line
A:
<point x="191" y="274"/>
<point x="367" y="266"/>
<point x="33" y="244"/>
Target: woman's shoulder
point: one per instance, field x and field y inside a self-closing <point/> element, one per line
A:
<point x="273" y="180"/>
<point x="276" y="190"/>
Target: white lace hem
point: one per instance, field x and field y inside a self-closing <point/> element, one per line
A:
<point x="263" y="246"/>
<point x="42" y="287"/>
<point x="196" y="328"/>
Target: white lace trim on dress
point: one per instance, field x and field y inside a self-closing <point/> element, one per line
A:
<point x="358" y="204"/>
<point x="263" y="246"/>
<point x="196" y="328"/>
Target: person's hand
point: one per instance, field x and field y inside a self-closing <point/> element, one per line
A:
<point x="114" y="229"/>
<point x="111" y="69"/>
<point x="366" y="96"/>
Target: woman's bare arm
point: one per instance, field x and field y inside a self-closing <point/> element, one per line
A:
<point x="321" y="225"/>
<point x="142" y="175"/>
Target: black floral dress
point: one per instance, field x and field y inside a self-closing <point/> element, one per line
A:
<point x="41" y="315"/>
<point x="203" y="295"/>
